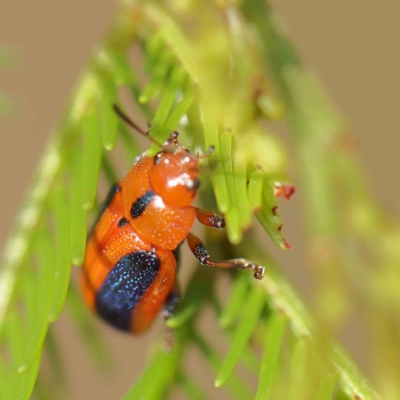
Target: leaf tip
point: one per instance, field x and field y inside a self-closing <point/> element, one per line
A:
<point x="87" y="205"/>
<point x="77" y="261"/>
<point x="286" y="245"/>
<point x="109" y="146"/>
<point x="22" y="369"/>
<point x="52" y="317"/>
<point x="235" y="236"/>
<point x="284" y="190"/>
<point x="219" y="381"/>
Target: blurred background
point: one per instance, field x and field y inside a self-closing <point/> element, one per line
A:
<point x="350" y="46"/>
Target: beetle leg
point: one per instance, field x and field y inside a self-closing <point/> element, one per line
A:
<point x="210" y="219"/>
<point x="197" y="248"/>
<point x="171" y="303"/>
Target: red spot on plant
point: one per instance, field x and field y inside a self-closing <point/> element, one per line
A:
<point x="274" y="210"/>
<point x="287" y="245"/>
<point x="285" y="191"/>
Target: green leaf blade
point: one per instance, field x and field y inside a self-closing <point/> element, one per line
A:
<point x="27" y="380"/>
<point x="238" y="388"/>
<point x="326" y="387"/>
<point x="235" y="302"/>
<point x="193" y="303"/>
<point x="158" y="376"/>
<point x="211" y="136"/>
<point x="273" y="340"/>
<point x="78" y="214"/>
<point x="298" y="369"/>
<point x="255" y="190"/>
<point x="88" y="330"/>
<point x="42" y="295"/>
<point x="168" y="99"/>
<point x="91" y="159"/>
<point x="63" y="257"/>
<point x="108" y="119"/>
<point x="242" y="335"/>
<point x="269" y="217"/>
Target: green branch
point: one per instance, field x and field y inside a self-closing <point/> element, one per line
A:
<point x="214" y="76"/>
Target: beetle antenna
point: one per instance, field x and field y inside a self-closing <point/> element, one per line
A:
<point x="129" y="122"/>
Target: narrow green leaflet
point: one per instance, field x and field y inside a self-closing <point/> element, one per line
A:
<point x="53" y="351"/>
<point x="242" y="201"/>
<point x="255" y="190"/>
<point x="179" y="110"/>
<point x="168" y="98"/>
<point x="78" y="214"/>
<point x="326" y="387"/>
<point x="248" y="359"/>
<point x="233" y="225"/>
<point x="122" y="71"/>
<point x="42" y="298"/>
<point x="244" y="330"/>
<point x="235" y="384"/>
<point x="17" y="246"/>
<point x="211" y="135"/>
<point x="108" y="119"/>
<point x="27" y="380"/>
<point x="269" y="217"/>
<point x="154" y="46"/>
<point x="63" y="258"/>
<point x="159" y="71"/>
<point x="14" y="338"/>
<point x="91" y="157"/>
<point x="192" y="304"/>
<point x="159" y="374"/>
<point x="155" y="84"/>
<point x="85" y="321"/>
<point x="298" y="378"/>
<point x="274" y="331"/>
<point x="235" y="302"/>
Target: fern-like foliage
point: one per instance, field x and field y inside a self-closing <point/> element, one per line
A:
<point x="207" y="70"/>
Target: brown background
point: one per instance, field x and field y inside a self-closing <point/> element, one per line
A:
<point x="351" y="45"/>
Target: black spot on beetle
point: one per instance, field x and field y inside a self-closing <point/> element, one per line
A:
<point x="122" y="222"/>
<point x="140" y="204"/>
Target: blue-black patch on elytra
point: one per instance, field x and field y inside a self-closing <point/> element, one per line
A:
<point x="124" y="287"/>
<point x="140" y="204"/>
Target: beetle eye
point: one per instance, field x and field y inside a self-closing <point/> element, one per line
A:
<point x="193" y="184"/>
<point x="157" y="157"/>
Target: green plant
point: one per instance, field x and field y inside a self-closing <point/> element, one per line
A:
<point x="194" y="65"/>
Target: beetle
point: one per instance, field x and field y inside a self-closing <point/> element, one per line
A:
<point x="130" y="265"/>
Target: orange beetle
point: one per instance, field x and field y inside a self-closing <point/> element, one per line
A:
<point x="130" y="265"/>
